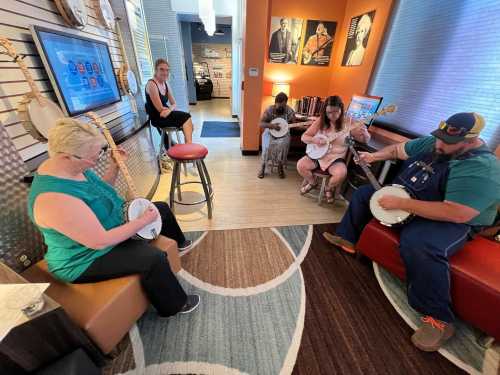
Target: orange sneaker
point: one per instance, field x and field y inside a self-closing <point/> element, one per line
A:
<point x="432" y="334"/>
<point x="340" y="242"/>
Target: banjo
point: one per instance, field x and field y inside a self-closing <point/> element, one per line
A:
<point x="135" y="207"/>
<point x="315" y="151"/>
<point x="38" y="113"/>
<point x="74" y="12"/>
<point x="308" y="56"/>
<point x="385" y="217"/>
<point x="284" y="127"/>
<point x="105" y="13"/>
<point x="126" y="77"/>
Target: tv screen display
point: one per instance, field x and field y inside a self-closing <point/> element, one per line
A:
<point x="80" y="70"/>
<point x="363" y="106"/>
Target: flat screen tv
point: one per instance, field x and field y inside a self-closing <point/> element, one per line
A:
<point x="80" y="69"/>
<point x="363" y="106"/>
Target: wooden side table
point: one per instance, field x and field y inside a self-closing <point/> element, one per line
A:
<point x="42" y="339"/>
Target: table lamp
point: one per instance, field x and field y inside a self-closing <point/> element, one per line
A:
<point x="281" y="87"/>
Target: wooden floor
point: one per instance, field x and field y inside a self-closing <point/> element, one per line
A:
<point x="241" y="199"/>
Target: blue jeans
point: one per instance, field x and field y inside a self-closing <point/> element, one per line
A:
<point x="425" y="246"/>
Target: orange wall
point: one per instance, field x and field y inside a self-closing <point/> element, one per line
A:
<point x="304" y="80"/>
<point x="346" y="81"/>
<point x="254" y="48"/>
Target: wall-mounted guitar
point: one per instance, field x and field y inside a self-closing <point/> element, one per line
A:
<point x="38" y="113"/>
<point x="285" y="126"/>
<point x="126" y="77"/>
<point x="74" y="12"/>
<point x="315" y="151"/>
<point x="386" y="217"/>
<point x="135" y="207"/>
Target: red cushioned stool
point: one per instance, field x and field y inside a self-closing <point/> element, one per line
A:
<point x="190" y="153"/>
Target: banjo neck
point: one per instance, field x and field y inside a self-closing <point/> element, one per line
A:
<point x="371" y="177"/>
<point x="122" y="46"/>
<point x="116" y="155"/>
<point x="297" y="124"/>
<point x="11" y="51"/>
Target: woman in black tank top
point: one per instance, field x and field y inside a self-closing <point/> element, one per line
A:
<point x="160" y="104"/>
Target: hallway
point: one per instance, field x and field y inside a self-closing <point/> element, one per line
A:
<point x="242" y="200"/>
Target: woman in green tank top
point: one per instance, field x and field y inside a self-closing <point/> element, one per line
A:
<point x="81" y="219"/>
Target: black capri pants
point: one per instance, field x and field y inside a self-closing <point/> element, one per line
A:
<point x="140" y="257"/>
<point x="174" y="120"/>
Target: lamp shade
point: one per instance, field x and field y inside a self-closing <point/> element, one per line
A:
<point x="281" y="87"/>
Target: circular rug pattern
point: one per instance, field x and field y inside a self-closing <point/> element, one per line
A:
<point x="241" y="258"/>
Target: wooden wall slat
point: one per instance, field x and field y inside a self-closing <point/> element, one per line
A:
<point x="16" y="18"/>
<point x="17" y="88"/>
<point x="16" y="74"/>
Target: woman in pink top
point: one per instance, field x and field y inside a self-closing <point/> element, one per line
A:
<point x="329" y="123"/>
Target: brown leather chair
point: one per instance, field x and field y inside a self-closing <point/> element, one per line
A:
<point x="105" y="310"/>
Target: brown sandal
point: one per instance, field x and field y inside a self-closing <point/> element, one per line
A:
<point x="330" y="197"/>
<point x="307" y="188"/>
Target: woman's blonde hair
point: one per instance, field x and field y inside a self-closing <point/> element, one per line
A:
<point x="73" y="137"/>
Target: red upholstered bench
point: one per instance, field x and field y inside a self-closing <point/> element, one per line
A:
<point x="475" y="274"/>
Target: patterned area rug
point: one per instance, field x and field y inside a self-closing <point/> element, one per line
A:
<point x="254" y="317"/>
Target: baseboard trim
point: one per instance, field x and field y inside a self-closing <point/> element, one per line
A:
<point x="249" y="152"/>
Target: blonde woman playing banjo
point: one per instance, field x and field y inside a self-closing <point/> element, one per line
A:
<point x="330" y="124"/>
<point x="81" y="218"/>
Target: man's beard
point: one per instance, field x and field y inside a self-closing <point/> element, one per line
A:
<point x="438" y="155"/>
<point x="280" y="110"/>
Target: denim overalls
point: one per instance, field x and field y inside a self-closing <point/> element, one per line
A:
<point x="425" y="245"/>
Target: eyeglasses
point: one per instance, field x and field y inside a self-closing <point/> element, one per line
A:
<point x="100" y="155"/>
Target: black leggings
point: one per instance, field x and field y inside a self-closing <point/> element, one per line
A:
<point x="170" y="228"/>
<point x="140" y="257"/>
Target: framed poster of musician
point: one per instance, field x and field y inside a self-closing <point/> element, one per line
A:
<point x="318" y="42"/>
<point x="284" y="40"/>
<point x="357" y="39"/>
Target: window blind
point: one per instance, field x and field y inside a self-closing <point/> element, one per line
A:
<point x="441" y="57"/>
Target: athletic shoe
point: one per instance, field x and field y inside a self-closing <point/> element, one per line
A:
<point x="193" y="301"/>
<point x="262" y="172"/>
<point x="185" y="246"/>
<point x="340" y="242"/>
<point x="432" y="334"/>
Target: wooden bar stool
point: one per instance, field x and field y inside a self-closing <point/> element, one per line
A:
<point x="324" y="176"/>
<point x="190" y="153"/>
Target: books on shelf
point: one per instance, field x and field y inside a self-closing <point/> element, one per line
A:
<point x="309" y="105"/>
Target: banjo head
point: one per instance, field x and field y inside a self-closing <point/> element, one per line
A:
<point x="74" y="12"/>
<point x="315" y="151"/>
<point x="106" y="13"/>
<point x="43" y="117"/>
<point x="132" y="82"/>
<point x="389" y="217"/>
<point x="134" y="209"/>
<point x="127" y="80"/>
<point x="283" y="127"/>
